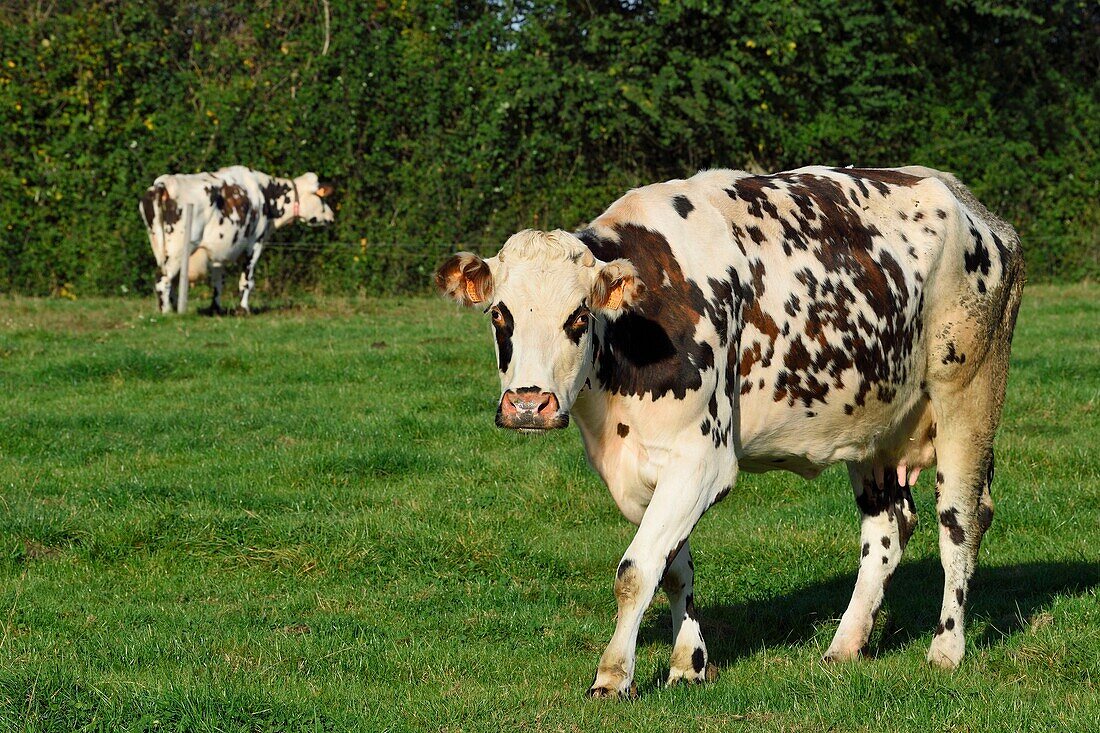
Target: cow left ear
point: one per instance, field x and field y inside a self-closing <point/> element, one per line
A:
<point x="325" y="189"/>
<point x="616" y="288"/>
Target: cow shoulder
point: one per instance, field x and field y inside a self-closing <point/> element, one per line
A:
<point x="654" y="350"/>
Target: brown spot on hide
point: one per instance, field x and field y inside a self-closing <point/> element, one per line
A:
<point x="895" y="499"/>
<point x="275" y="198"/>
<point x="949" y="518"/>
<point x="651" y="349"/>
<point x="627" y="582"/>
<point x="235" y="203"/>
<point x="985" y="518"/>
<point x="689" y="607"/>
<point x="721" y="495"/>
<point x="623" y="430"/>
<point x="891" y="177"/>
<point x="673" y="553"/>
<point x="843" y="241"/>
<point x="148" y="212"/>
<point x="952" y="357"/>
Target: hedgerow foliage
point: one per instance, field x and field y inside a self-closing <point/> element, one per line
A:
<point x="452" y="124"/>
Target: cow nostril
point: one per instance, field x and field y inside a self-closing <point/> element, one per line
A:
<point x="548" y="404"/>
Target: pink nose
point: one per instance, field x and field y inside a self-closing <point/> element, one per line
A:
<point x="530" y="408"/>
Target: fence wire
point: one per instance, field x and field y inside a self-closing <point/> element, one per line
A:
<point x="413" y="247"/>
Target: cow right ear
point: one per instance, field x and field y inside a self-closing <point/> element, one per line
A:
<point x="466" y="278"/>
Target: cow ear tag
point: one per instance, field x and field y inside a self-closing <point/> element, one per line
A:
<point x="615" y="297"/>
<point x="471" y="292"/>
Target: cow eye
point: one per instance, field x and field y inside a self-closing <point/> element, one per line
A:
<point x="580" y="322"/>
<point x="498" y="318"/>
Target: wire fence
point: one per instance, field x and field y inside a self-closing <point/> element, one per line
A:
<point x="412" y="247"/>
<point x="348" y="266"/>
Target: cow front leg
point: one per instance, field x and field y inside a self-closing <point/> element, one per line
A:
<point x="677" y="504"/>
<point x="248" y="282"/>
<point x="689" y="652"/>
<point x="889" y="516"/>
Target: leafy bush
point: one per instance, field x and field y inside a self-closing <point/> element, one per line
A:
<point x="452" y="124"/>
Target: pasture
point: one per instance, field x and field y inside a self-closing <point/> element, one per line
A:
<point x="305" y="520"/>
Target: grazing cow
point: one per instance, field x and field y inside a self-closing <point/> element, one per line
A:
<point x="739" y="322"/>
<point x="234" y="211"/>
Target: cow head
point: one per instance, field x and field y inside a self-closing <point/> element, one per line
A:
<point x="314" y="207"/>
<point x="545" y="293"/>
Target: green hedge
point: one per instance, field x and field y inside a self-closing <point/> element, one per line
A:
<point x="453" y="124"/>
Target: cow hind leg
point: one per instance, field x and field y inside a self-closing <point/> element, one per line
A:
<point x="965" y="510"/>
<point x="163" y="289"/>
<point x="888" y="518"/>
<point x="167" y="286"/>
<point x="967" y="399"/>
<point x="689" y="652"/>
<point x="217" y="285"/>
<point x="167" y="292"/>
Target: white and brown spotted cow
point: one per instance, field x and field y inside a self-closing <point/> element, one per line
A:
<point x="738" y="322"/>
<point x="234" y="211"/>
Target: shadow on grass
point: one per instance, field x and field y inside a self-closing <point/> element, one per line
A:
<point x="1001" y="600"/>
<point x="258" y="310"/>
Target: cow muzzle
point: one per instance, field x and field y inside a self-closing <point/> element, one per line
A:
<point x="530" y="409"/>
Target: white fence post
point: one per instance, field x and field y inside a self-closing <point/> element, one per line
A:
<point x="185" y="280"/>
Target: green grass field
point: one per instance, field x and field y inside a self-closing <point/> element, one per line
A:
<point x="305" y="520"/>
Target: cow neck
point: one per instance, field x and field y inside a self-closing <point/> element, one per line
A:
<point x="294" y="210"/>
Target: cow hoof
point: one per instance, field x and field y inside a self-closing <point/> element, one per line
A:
<point x="835" y="656"/>
<point x="690" y="677"/>
<point x="609" y="693"/>
<point x="946" y="652"/>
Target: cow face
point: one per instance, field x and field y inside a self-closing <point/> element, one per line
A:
<point x="544" y="292"/>
<point x="314" y="207"/>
